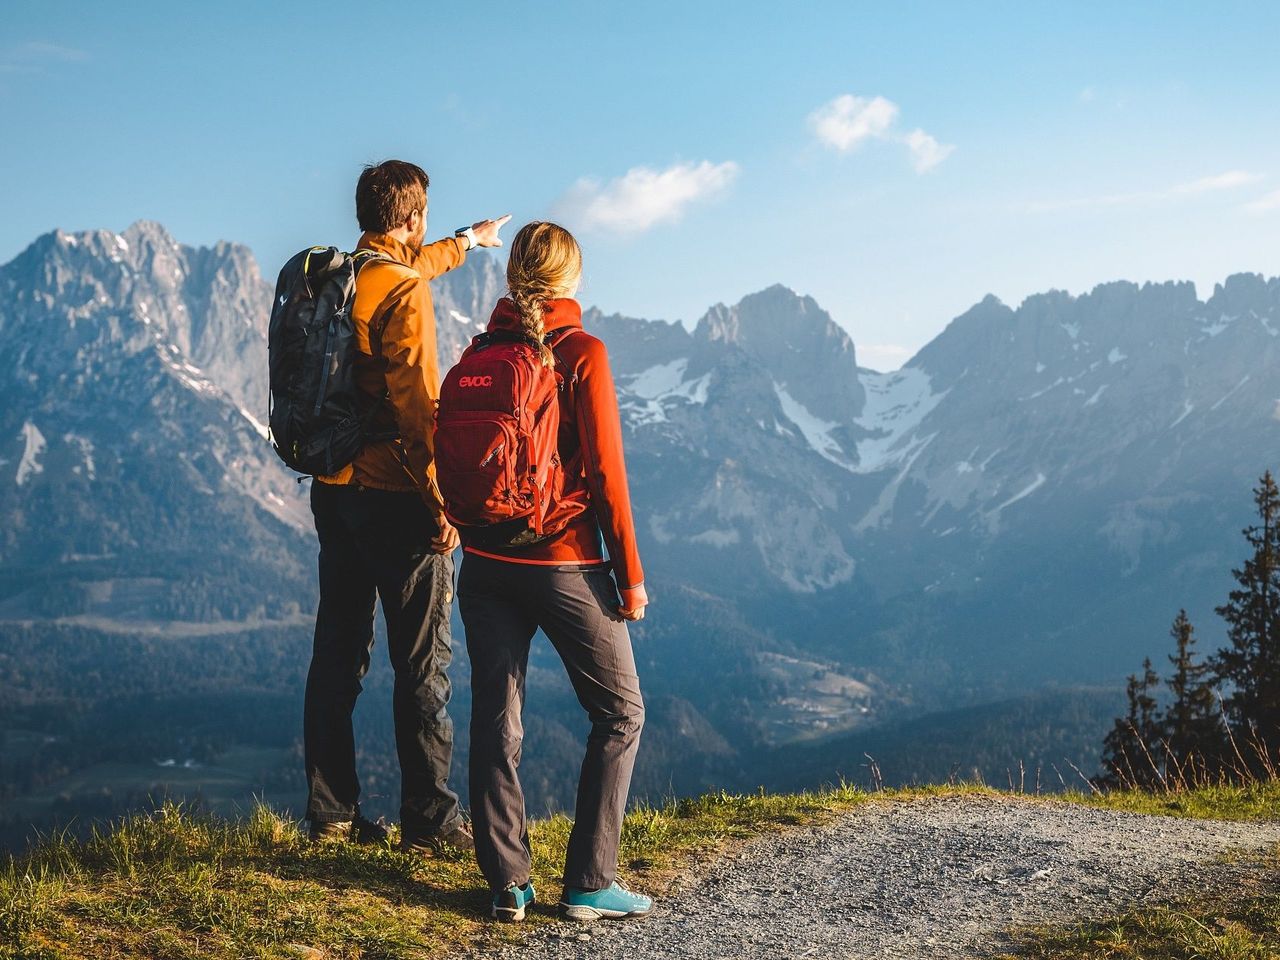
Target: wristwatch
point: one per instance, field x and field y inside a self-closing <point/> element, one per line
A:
<point x="469" y="233"/>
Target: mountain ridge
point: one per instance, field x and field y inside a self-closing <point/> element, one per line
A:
<point x="1023" y="505"/>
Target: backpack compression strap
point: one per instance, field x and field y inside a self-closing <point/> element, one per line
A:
<point x="360" y="258"/>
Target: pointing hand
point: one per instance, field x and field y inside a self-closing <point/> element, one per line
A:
<point x="487" y="231"/>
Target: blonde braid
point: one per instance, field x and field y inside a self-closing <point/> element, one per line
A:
<point x="530" y="296"/>
<point x="545" y="263"/>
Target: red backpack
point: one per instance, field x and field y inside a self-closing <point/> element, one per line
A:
<point x="496" y="454"/>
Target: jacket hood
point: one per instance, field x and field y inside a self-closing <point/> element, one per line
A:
<point x="561" y="313"/>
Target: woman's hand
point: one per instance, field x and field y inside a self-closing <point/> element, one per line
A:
<point x="634" y="600"/>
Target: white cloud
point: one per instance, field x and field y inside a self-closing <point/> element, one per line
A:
<point x="926" y="152"/>
<point x="1265" y="203"/>
<point x="1221" y="181"/>
<point x="849" y="121"/>
<point x="1229" y="180"/>
<point x="643" y="197"/>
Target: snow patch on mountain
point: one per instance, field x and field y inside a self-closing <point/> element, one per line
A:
<point x="1212" y="329"/>
<point x="716" y="538"/>
<point x="187" y="373"/>
<point x="86" y="454"/>
<point x="897" y="404"/>
<point x="650" y="390"/>
<point x="1227" y="396"/>
<point x="815" y="430"/>
<point x="465" y="320"/>
<point x="1022" y="494"/>
<point x="883" y="507"/>
<point x="263" y="431"/>
<point x="33" y="448"/>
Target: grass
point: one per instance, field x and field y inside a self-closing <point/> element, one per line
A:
<point x="173" y="885"/>
<point x="1256" y="800"/>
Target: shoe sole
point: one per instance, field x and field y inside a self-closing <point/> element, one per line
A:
<point x="585" y="914"/>
<point x="511" y="914"/>
<point x="424" y="851"/>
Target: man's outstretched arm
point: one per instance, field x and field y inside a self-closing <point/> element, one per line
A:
<point x="443" y="255"/>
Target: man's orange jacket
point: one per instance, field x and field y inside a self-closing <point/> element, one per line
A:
<point x="396" y="368"/>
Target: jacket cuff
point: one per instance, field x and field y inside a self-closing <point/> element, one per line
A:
<point x="633" y="596"/>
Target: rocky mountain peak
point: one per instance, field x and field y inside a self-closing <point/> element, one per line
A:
<point x="1244" y="292"/>
<point x="810" y="357"/>
<point x="764" y="464"/>
<point x="140" y="290"/>
<point x="464" y="300"/>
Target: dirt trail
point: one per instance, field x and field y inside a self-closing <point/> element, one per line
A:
<point x="935" y="877"/>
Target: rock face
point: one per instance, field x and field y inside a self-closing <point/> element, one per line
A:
<point x="136" y="393"/>
<point x="1029" y="499"/>
<point x="464" y="298"/>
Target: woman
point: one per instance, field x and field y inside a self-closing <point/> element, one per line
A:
<point x="562" y="585"/>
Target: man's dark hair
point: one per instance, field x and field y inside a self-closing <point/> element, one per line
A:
<point x="387" y="193"/>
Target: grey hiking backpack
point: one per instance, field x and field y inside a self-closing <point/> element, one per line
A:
<point x="317" y="426"/>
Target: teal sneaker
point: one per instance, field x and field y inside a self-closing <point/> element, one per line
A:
<point x="614" y="902"/>
<point x="509" y="904"/>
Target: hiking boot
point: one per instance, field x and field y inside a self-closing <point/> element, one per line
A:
<point x="456" y="840"/>
<point x="325" y="831"/>
<point x="368" y="832"/>
<point x="509" y="904"/>
<point x="614" y="902"/>
<point x="360" y="829"/>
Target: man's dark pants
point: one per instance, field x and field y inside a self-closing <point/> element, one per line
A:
<point x="502" y="605"/>
<point x="376" y="544"/>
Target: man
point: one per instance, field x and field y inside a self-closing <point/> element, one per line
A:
<point x="383" y="532"/>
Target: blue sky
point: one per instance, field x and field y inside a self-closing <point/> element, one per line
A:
<point x="896" y="161"/>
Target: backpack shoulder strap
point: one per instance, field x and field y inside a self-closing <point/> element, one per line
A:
<point x="364" y="256"/>
<point x="556" y="337"/>
<point x="553" y="340"/>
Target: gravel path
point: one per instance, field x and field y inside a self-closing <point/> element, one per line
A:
<point x="936" y="877"/>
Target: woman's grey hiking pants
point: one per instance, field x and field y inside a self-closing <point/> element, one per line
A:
<point x="502" y="605"/>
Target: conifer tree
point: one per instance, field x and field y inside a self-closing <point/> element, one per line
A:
<point x="1132" y="746"/>
<point x="1250" y="666"/>
<point x="1191" y="725"/>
